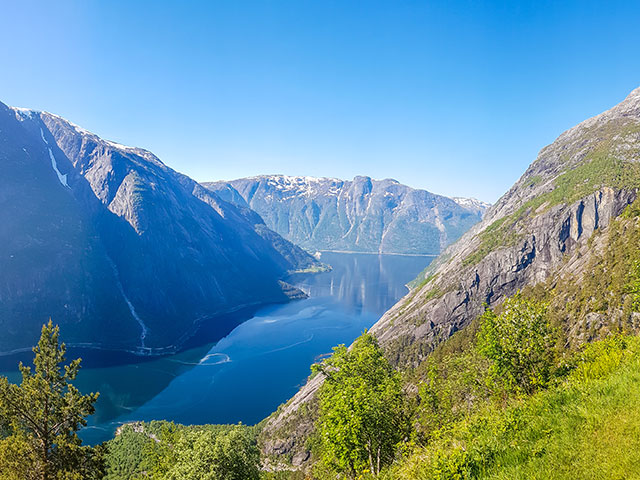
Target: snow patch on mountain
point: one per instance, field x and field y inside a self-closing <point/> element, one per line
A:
<point x="62" y="177"/>
<point x="23" y="114"/>
<point x="471" y="203"/>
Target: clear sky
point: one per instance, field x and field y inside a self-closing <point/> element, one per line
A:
<point x="453" y="96"/>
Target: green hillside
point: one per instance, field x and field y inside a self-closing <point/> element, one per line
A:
<point x="587" y="427"/>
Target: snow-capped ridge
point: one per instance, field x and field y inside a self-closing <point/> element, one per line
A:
<point x="470" y="202"/>
<point x="23" y="113"/>
<point x="362" y="214"/>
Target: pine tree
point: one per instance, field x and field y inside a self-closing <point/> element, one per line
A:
<point x="43" y="415"/>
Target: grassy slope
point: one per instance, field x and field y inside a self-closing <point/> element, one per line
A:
<point x="587" y="427"/>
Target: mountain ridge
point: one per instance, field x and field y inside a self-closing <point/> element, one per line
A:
<point x="147" y="253"/>
<point x="359" y="215"/>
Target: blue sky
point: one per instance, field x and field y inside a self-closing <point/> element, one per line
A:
<point x="456" y="97"/>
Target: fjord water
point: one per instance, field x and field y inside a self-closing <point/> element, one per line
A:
<point x="263" y="361"/>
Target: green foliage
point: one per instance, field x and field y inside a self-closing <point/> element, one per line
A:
<point x="166" y="451"/>
<point x="43" y="414"/>
<point x="362" y="410"/>
<point x="125" y="458"/>
<point x="452" y="386"/>
<point x="633" y="286"/>
<point x="586" y="427"/>
<point x="499" y="234"/>
<point x="285" y="475"/>
<point x="232" y="455"/>
<point x="423" y="282"/>
<point x="519" y="342"/>
<point x="599" y="359"/>
<point x="161" y="454"/>
<point x="535" y="180"/>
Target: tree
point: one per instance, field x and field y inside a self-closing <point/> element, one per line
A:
<point x="160" y="454"/>
<point x="362" y="417"/>
<point x="44" y="414"/>
<point x="209" y="455"/>
<point x="519" y="342"/>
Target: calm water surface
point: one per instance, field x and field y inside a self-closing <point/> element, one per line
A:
<point x="262" y="362"/>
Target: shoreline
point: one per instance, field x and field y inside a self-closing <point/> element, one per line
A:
<point x="185" y="342"/>
<point x="430" y="255"/>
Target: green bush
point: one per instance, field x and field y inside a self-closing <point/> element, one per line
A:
<point x="519" y="342"/>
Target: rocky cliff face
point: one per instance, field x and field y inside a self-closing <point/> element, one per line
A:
<point x="362" y="215"/>
<point x="576" y="186"/>
<point x="540" y="229"/>
<point x="117" y="247"/>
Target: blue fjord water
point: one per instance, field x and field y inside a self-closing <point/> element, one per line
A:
<point x="259" y="365"/>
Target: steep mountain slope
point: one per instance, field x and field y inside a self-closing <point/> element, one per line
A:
<point x="108" y="240"/>
<point x="552" y="227"/>
<point x="362" y="215"/>
<point x="538" y="229"/>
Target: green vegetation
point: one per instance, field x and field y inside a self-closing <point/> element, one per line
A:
<point x="533" y="181"/>
<point x="499" y="234"/>
<point x="528" y="390"/>
<point x="544" y="386"/>
<point x="39" y="420"/>
<point x="586" y="427"/>
<point x="519" y="343"/>
<point x="434" y="292"/>
<point x="41" y="417"/>
<point x="163" y="450"/>
<point x="232" y="455"/>
<point x="362" y="412"/>
<point x="423" y="282"/>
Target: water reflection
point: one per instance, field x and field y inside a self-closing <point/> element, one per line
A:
<point x="363" y="282"/>
<point x="262" y="361"/>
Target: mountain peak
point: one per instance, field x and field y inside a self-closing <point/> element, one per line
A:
<point x="635" y="94"/>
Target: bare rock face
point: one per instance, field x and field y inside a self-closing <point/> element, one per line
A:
<point x="362" y="215"/>
<point x="118" y="248"/>
<point x="539" y="228"/>
<point x="552" y="236"/>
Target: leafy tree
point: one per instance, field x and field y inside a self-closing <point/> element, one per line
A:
<point x="161" y="454"/>
<point x="207" y="455"/>
<point x="43" y="414"/>
<point x="362" y="416"/>
<point x="520" y="344"/>
<point x="212" y="452"/>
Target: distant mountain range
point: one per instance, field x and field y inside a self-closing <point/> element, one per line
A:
<point x="118" y="248"/>
<point x="362" y="215"/>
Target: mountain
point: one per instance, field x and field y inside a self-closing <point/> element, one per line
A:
<point x="362" y="215"/>
<point x="567" y="232"/>
<point x="119" y="249"/>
